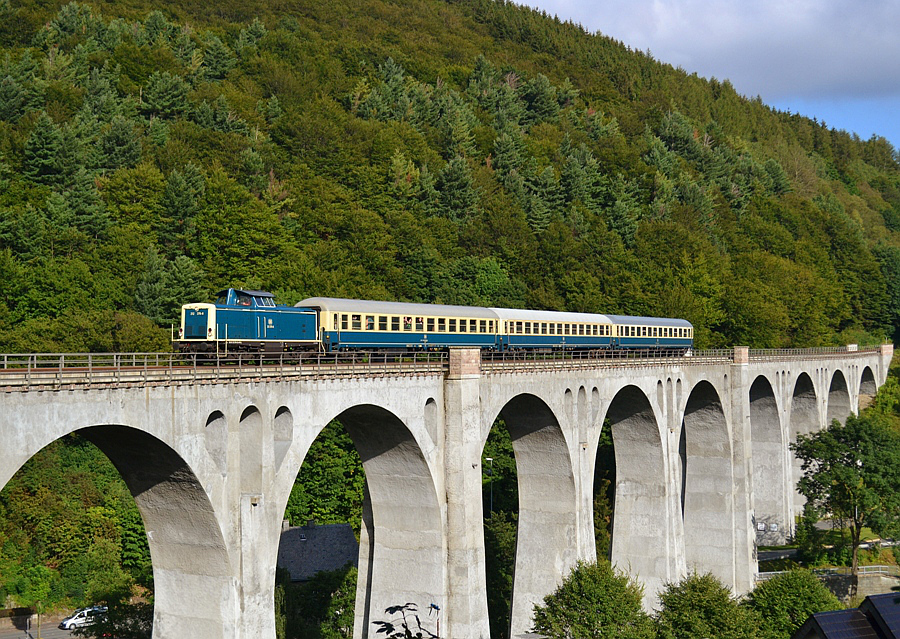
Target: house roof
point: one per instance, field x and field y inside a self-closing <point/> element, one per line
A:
<point x="307" y="550"/>
<point x="878" y="617"/>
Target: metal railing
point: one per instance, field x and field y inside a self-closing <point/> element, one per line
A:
<point x="54" y="371"/>
<point x="43" y="371"/>
<point x="893" y="571"/>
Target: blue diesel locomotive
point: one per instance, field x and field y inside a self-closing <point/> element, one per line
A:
<point x="242" y="320"/>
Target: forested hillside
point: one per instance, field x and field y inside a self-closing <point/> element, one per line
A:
<point x="466" y="152"/>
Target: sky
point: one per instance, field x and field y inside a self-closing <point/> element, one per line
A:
<point x="836" y="60"/>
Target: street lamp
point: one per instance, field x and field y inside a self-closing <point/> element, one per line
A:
<point x="491" y="475"/>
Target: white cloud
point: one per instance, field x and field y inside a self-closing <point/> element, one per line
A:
<point x="773" y="48"/>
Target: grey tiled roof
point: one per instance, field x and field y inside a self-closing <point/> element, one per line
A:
<point x="878" y="617"/>
<point x="306" y="550"/>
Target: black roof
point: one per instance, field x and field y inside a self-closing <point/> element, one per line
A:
<point x="884" y="610"/>
<point x="306" y="550"/>
<point x="837" y="624"/>
<point x="878" y="617"/>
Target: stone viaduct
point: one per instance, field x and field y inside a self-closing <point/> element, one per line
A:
<point x="703" y="469"/>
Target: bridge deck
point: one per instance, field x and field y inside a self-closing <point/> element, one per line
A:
<point x="70" y="371"/>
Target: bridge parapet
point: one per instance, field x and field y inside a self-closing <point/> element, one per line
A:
<point x="66" y="371"/>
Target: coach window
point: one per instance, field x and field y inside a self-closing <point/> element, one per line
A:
<point x="407" y="323"/>
<point x="356" y="322"/>
<point x="395" y="324"/>
<point x="463" y="326"/>
<point x="420" y="324"/>
<point x="473" y="326"/>
<point x="370" y="322"/>
<point x="429" y="324"/>
<point x="528" y="328"/>
<point x="452" y="325"/>
<point x="382" y="322"/>
<point x="482" y="326"/>
<point x="442" y="325"/>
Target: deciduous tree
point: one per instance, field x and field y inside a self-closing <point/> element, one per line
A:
<point x="852" y="472"/>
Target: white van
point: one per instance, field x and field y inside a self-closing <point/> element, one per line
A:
<point x="83" y="617"/>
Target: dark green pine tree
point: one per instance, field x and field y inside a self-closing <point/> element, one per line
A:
<point x="458" y="197"/>
<point x="253" y="171"/>
<point x="87" y="207"/>
<point x="461" y="140"/>
<point x="187" y="284"/>
<point x="544" y="200"/>
<point x="101" y="100"/>
<point x="42" y="152"/>
<point x="508" y="152"/>
<point x="779" y="179"/>
<point x="153" y="296"/>
<point x="12" y="99"/>
<point x="483" y="83"/>
<point x="204" y="115"/>
<point x="120" y="146"/>
<point x="427" y="193"/>
<point x="29" y="234"/>
<point x="540" y="99"/>
<point x="181" y="202"/>
<point x="165" y="95"/>
<point x="218" y="59"/>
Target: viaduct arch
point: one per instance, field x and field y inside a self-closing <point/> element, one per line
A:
<point x="211" y="465"/>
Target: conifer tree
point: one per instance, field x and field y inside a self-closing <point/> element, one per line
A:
<point x="540" y="99"/>
<point x="119" y="144"/>
<point x="153" y="295"/>
<point x="186" y="283"/>
<point x="458" y="196"/>
<point x="42" y="151"/>
<point x="253" y="171"/>
<point x="101" y="100"/>
<point x="218" y="59"/>
<point x="12" y="99"/>
<point x="165" y="95"/>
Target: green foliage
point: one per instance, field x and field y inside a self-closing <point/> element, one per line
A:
<point x="604" y="492"/>
<point x="331" y="482"/>
<point x="500" y="491"/>
<point x="784" y="602"/>
<point x="500" y="556"/>
<point x="594" y="601"/>
<point x="321" y="608"/>
<point x="700" y="606"/>
<point x="850" y="471"/>
<point x="367" y="161"/>
<point x="71" y="533"/>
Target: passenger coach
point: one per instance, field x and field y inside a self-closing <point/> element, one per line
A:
<point x="243" y="320"/>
